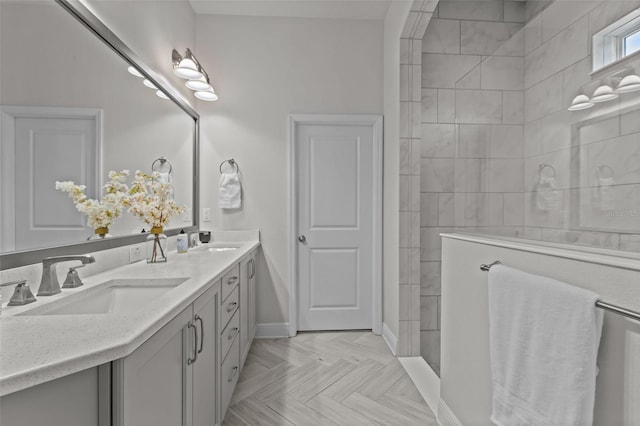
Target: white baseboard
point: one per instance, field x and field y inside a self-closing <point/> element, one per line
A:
<point x="272" y="330"/>
<point x="446" y="416"/>
<point x="427" y="382"/>
<point x="389" y="338"/>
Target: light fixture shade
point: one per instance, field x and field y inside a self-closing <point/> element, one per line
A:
<point x="206" y="95"/>
<point x="580" y="102"/>
<point x="629" y="83"/>
<point x="161" y="94"/>
<point x="187" y="69"/>
<point x="149" y="84"/>
<point x="198" y="84"/>
<point x="133" y="71"/>
<point x="603" y="93"/>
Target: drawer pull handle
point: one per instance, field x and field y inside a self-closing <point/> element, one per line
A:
<point x="198" y="318"/>
<point x="195" y="348"/>
<point x="233" y="374"/>
<point x="232" y="280"/>
<point x="233" y="333"/>
<point x="231" y="306"/>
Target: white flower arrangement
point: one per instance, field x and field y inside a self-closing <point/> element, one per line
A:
<point x="101" y="214"/>
<point x="150" y="199"/>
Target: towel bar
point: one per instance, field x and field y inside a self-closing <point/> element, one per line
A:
<point x="600" y="304"/>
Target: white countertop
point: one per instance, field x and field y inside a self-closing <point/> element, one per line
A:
<point x="39" y="348"/>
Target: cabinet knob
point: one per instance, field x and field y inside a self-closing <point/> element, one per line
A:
<point x="302" y="238"/>
<point x="231" y="306"/>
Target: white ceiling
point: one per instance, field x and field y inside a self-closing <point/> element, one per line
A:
<point x="336" y="9"/>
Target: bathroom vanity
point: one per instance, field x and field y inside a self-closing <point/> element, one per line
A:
<point x="171" y="360"/>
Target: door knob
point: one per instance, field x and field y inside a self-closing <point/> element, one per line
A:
<point x="302" y="238"/>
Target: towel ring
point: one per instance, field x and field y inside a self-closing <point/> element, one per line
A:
<point x="543" y="166"/>
<point x="163" y="162"/>
<point x="233" y="163"/>
<point x="602" y="167"/>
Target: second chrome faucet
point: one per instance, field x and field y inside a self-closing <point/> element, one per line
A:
<point x="49" y="284"/>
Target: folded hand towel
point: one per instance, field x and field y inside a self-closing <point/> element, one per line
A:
<point x="603" y="197"/>
<point x="230" y="191"/>
<point x="544" y="338"/>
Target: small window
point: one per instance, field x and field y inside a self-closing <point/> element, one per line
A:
<point x="617" y="41"/>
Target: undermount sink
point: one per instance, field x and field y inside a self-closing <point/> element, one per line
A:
<point x="114" y="296"/>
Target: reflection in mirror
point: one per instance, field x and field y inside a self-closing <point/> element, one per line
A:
<point x="72" y="112"/>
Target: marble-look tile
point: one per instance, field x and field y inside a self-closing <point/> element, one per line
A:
<point x="532" y="35"/>
<point x="410" y="25"/>
<point x="437" y="174"/>
<point x="416" y="52"/>
<point x="442" y="71"/>
<point x="403" y="264"/>
<point x="556" y="131"/>
<point x="404" y="338"/>
<point x="405" y="51"/>
<point x="416" y="113"/>
<point x="438" y="140"/>
<point x="405" y="119"/>
<point x="446" y="209"/>
<point x="533" y="138"/>
<point x="416" y="82"/>
<point x="535" y="217"/>
<point x="512" y="47"/>
<point x="405" y="81"/>
<point x="575" y="77"/>
<point x="415" y="337"/>
<point x="430" y="346"/>
<point x="544" y="98"/>
<point x="484" y="10"/>
<point x="559" y="160"/>
<point x="446" y="106"/>
<point x="428" y="313"/>
<point x="501" y="175"/>
<point x="513" y="209"/>
<point x="532" y="7"/>
<point x="404" y="223"/>
<point x="479" y="106"/>
<point x="471" y="80"/>
<point x="507" y="141"/>
<point x="459" y="200"/>
<point x="422" y="24"/>
<point x="409" y="308"/>
<point x="621" y="155"/>
<point x="414" y="237"/>
<point x="599" y="131"/>
<point x="630" y="242"/>
<point x="430" y="278"/>
<point x="532" y="233"/>
<point x="512" y="107"/>
<point x="502" y="73"/>
<point x="431" y="243"/>
<point x="429" y="209"/>
<point x="566" y="48"/>
<point x="429" y="105"/>
<point x="483" y="209"/>
<point x="473" y="140"/>
<point x="405" y="156"/>
<point x="630" y="122"/>
<point x="514" y="11"/>
<point x="416" y="146"/>
<point x="405" y="193"/>
<point x="467" y="175"/>
<point x="414" y="267"/>
<point x="414" y="205"/>
<point x="617" y="212"/>
<point x="560" y="14"/>
<point x="442" y="36"/>
<point x="484" y="38"/>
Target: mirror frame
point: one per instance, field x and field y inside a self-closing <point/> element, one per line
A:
<point x="99" y="29"/>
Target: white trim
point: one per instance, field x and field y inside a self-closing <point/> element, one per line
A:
<point x="446" y="416"/>
<point x="390" y="339"/>
<point x="292" y="215"/>
<point x="425" y="379"/>
<point x="272" y="330"/>
<point x="8" y="115"/>
<point x="615" y="258"/>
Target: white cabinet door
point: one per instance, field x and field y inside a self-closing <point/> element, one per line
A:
<point x="245" y="269"/>
<point x="206" y="364"/>
<point x="152" y="381"/>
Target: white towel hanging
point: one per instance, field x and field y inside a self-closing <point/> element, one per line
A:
<point x="230" y="191"/>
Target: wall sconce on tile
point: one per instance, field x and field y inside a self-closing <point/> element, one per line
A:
<point x="603" y="93"/>
<point x="189" y="68"/>
<point x="580" y="102"/>
<point x="624" y="81"/>
<point x="629" y="83"/>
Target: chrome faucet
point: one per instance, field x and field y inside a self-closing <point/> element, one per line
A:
<point x="49" y="284"/>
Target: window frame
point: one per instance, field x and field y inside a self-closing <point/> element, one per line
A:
<point x="608" y="45"/>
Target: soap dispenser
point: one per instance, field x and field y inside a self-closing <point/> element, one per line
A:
<point x="182" y="242"/>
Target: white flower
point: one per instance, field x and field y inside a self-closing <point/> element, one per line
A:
<point x="150" y="199"/>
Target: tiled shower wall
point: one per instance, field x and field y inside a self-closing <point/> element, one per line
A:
<point x="472" y="135"/>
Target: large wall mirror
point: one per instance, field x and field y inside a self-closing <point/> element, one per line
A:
<point x="72" y="111"/>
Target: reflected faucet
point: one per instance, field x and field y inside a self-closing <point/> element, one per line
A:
<point x="49" y="284"/>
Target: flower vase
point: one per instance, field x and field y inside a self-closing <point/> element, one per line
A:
<point x="156" y="246"/>
<point x="100" y="234"/>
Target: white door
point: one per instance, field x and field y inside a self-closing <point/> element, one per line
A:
<point x="46" y="150"/>
<point x="335" y="175"/>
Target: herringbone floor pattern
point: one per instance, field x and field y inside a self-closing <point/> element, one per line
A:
<point x="330" y="378"/>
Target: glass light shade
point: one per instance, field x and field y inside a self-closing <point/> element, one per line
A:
<point x="198" y="84"/>
<point x="135" y="72"/>
<point x="188" y="69"/>
<point x="161" y="94"/>
<point x="629" y="83"/>
<point x="580" y="102"/>
<point x="206" y="95"/>
<point x="603" y="93"/>
<point x="149" y="84"/>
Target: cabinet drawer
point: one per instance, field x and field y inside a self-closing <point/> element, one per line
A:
<point x="230" y="281"/>
<point x="229" y="334"/>
<point x="230" y="372"/>
<point x="229" y="306"/>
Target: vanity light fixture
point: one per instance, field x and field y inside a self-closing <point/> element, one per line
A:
<point x="629" y="83"/>
<point x="186" y="67"/>
<point x="580" y="102"/>
<point x="603" y="93"/>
